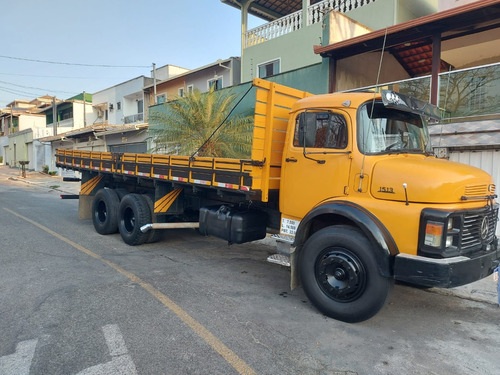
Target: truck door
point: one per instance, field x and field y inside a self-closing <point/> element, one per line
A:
<point x="316" y="161"/>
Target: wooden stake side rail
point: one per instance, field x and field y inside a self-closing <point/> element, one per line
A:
<point x="234" y="174"/>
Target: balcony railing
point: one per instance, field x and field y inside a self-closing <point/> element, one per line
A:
<point x="67" y="123"/>
<point x="464" y="95"/>
<point x="133" y="118"/>
<point x="293" y="21"/>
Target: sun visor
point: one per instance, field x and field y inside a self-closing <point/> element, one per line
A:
<point x="405" y="103"/>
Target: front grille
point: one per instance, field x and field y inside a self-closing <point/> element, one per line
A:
<point x="471" y="231"/>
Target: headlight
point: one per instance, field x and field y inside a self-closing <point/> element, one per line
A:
<point x="433" y="234"/>
<point x="439" y="234"/>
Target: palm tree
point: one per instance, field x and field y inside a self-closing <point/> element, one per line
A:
<point x="190" y="125"/>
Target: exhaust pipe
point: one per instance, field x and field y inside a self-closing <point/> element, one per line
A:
<point x="147" y="227"/>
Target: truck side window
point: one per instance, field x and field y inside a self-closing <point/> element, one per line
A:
<point x="320" y="130"/>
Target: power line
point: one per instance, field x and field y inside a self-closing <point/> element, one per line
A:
<point x="39" y="76"/>
<point x="35" y="88"/>
<point x="17" y="92"/>
<point x="77" y="64"/>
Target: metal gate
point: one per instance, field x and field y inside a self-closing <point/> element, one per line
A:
<point x="487" y="160"/>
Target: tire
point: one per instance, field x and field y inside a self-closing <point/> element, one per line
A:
<point x="105" y="211"/>
<point x="339" y="273"/>
<point x="133" y="214"/>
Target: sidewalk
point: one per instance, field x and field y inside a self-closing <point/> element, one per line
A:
<point x="482" y="291"/>
<point x="39" y="179"/>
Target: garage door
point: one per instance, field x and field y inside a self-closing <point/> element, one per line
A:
<point x="487" y="160"/>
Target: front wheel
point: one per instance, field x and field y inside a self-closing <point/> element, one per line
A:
<point x="339" y="273"/>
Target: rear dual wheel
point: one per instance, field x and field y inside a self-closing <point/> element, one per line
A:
<point x="110" y="215"/>
<point x="133" y="213"/>
<point x="340" y="276"/>
<point x="105" y="211"/>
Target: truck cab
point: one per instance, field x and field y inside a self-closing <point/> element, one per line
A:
<point x="358" y="172"/>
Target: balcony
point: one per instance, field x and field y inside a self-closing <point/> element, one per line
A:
<point x="133" y="118"/>
<point x="293" y="22"/>
<point x="464" y="95"/>
<point x="67" y="123"/>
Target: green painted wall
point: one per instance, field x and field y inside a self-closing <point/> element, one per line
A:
<point x="313" y="78"/>
<point x="88" y="97"/>
<point x="295" y="50"/>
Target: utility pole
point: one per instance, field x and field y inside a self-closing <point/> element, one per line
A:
<point x="154" y="82"/>
<point x="54" y="115"/>
<point x="11" y="120"/>
<point x="84" y="111"/>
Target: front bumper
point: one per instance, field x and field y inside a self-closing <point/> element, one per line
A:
<point x="447" y="272"/>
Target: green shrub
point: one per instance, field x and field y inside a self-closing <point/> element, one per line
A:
<point x="45" y="168"/>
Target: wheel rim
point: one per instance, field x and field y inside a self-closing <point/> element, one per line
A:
<point x="340" y="274"/>
<point x="101" y="212"/>
<point x="129" y="220"/>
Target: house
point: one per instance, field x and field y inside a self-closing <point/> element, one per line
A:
<point x="282" y="49"/>
<point x="220" y="74"/>
<point x="122" y="103"/>
<point x="20" y="123"/>
<point x="116" y="110"/>
<point x="69" y="114"/>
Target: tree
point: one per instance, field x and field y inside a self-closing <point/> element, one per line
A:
<point x="190" y="125"/>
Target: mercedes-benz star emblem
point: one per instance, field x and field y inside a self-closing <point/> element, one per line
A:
<point x="485" y="228"/>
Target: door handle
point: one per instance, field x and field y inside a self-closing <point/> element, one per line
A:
<point x="291" y="160"/>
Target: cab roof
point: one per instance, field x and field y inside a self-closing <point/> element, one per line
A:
<point x="336" y="100"/>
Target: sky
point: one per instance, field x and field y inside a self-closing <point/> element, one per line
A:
<point x="62" y="48"/>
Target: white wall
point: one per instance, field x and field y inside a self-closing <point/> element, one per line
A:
<point x="29" y="122"/>
<point x="168" y="71"/>
<point x="230" y="77"/>
<point x="127" y="93"/>
<point x="78" y="118"/>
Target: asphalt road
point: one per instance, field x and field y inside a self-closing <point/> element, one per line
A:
<point x="75" y="302"/>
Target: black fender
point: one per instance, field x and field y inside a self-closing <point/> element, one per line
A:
<point x="349" y="213"/>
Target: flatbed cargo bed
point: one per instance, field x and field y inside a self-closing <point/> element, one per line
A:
<point x="255" y="177"/>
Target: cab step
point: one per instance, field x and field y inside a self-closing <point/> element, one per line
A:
<point x="282" y="238"/>
<point x="281" y="259"/>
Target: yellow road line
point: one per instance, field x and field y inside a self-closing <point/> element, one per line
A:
<point x="238" y="364"/>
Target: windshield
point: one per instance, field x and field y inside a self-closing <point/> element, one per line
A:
<point x="383" y="130"/>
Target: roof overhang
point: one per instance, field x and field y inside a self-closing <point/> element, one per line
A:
<point x="411" y="42"/>
<point x="97" y="130"/>
<point x="270" y="10"/>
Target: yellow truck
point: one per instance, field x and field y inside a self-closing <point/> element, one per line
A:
<point x="347" y="180"/>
